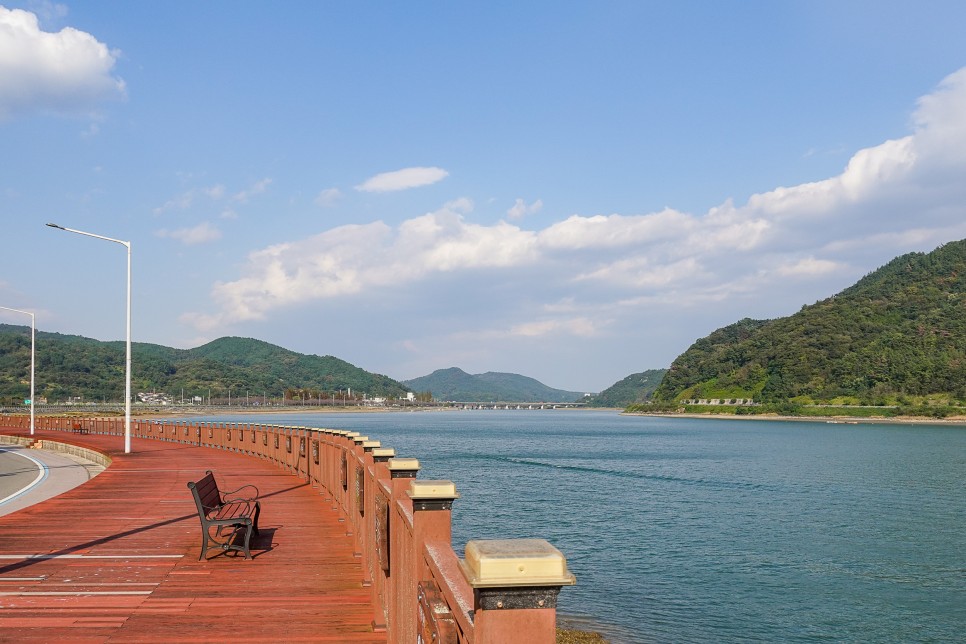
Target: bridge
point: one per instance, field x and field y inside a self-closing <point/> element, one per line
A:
<point x="518" y="406"/>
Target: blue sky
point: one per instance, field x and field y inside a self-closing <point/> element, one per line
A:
<point x="571" y="191"/>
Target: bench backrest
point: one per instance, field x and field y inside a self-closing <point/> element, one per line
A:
<point x="206" y="493"/>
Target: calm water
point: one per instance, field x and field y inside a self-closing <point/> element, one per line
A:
<point x="684" y="530"/>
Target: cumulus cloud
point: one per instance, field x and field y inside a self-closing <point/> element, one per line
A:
<point x="328" y="197"/>
<point x="808" y="267"/>
<point x="178" y="202"/>
<point x="200" y="234"/>
<point x="600" y="231"/>
<point x="256" y="188"/>
<point x="185" y="200"/>
<point x="67" y="72"/>
<point x="214" y="192"/>
<point x="217" y="192"/>
<point x="349" y="259"/>
<point x="580" y="326"/>
<point x="402" y="179"/>
<point x="642" y="272"/>
<point x="580" y="275"/>
<point x="521" y="208"/>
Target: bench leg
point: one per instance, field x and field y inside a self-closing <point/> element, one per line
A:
<point x="258" y="510"/>
<point x="204" y="542"/>
<point x="248" y="535"/>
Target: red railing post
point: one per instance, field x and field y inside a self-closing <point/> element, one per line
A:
<point x="401" y="591"/>
<point x="503" y="591"/>
<point x="515" y="586"/>
<point x="432" y="506"/>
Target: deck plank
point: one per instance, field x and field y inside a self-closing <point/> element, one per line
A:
<point x="120" y="558"/>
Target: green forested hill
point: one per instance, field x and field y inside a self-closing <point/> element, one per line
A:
<point x="635" y="388"/>
<point x="456" y="384"/>
<point x="898" y="332"/>
<point x="74" y="366"/>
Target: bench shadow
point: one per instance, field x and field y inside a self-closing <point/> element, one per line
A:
<point x="264" y="542"/>
<point x="260" y="544"/>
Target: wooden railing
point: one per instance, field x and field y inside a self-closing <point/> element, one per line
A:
<point x="502" y="591"/>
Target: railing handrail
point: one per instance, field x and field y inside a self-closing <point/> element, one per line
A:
<point x="400" y="525"/>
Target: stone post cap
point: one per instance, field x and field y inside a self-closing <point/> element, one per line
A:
<point x="432" y="490"/>
<point x="351" y="434"/>
<point x="403" y="464"/>
<point x="386" y="452"/>
<point x="432" y="495"/>
<point x="360" y="439"/>
<point x="503" y="563"/>
<point x="370" y="445"/>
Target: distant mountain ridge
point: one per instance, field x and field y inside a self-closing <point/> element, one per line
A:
<point x="635" y="388"/>
<point x="75" y="366"/>
<point x="456" y="384"/>
<point x="899" y="332"/>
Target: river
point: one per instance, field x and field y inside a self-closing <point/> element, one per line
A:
<point x="709" y="530"/>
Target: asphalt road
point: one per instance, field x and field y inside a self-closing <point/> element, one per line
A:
<point x="28" y="476"/>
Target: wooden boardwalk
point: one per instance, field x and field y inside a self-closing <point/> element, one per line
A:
<point x="116" y="559"/>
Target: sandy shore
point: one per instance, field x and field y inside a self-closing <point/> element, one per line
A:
<point x="842" y="420"/>
<point x="180" y="412"/>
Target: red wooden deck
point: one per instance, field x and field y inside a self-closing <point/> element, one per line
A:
<point x="116" y="560"/>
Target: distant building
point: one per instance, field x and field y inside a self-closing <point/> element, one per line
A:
<point x="154" y="398"/>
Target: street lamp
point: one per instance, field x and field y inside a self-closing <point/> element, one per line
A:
<point x="33" y="333"/>
<point x="127" y="378"/>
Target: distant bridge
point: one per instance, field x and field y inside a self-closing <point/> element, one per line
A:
<point x="523" y="406"/>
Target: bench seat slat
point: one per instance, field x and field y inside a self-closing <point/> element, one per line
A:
<point x="214" y="511"/>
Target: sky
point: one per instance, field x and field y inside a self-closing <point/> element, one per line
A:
<point x="572" y="191"/>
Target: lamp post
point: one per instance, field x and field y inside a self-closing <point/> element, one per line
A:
<point x="33" y="334"/>
<point x="127" y="376"/>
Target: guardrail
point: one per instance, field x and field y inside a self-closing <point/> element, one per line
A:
<point x="502" y="591"/>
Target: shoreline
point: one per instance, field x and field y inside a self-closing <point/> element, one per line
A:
<point x="832" y="420"/>
<point x="298" y="410"/>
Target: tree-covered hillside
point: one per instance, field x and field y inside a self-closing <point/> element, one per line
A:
<point x="635" y="388"/>
<point x="76" y="367"/>
<point x="898" y="332"/>
<point x="456" y="384"/>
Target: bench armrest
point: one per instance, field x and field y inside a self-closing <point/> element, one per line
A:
<point x="228" y="498"/>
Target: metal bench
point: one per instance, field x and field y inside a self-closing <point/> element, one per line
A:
<point x="225" y="518"/>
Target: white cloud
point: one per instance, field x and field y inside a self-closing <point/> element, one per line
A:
<point x="641" y="272"/>
<point x="179" y="202"/>
<point x="328" y="197"/>
<point x="186" y="200"/>
<point x="217" y="192"/>
<point x="808" y="267"/>
<point x="402" y="179"/>
<point x="580" y="326"/>
<point x="599" y="231"/>
<point x="200" y="234"/>
<point x="463" y="205"/>
<point x="940" y="126"/>
<point x="349" y="259"/>
<point x="592" y="276"/>
<point x="67" y="72"/>
<point x="521" y="209"/>
<point x="91" y="131"/>
<point x="256" y="188"/>
<point x="214" y="192"/>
